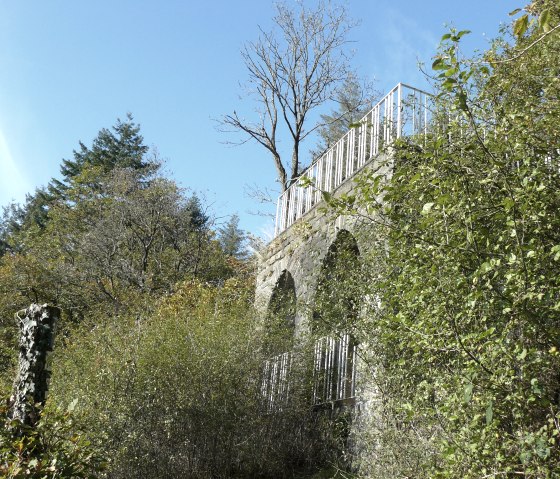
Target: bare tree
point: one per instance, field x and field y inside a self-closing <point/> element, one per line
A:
<point x="293" y="69"/>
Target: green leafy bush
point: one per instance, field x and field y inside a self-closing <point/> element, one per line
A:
<point x="464" y="331"/>
<point x="55" y="448"/>
<point x="179" y="394"/>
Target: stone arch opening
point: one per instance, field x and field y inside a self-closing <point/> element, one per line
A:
<point x="335" y="308"/>
<point x="281" y="315"/>
<point x="336" y="294"/>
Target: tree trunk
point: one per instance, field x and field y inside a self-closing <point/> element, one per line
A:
<point x="37" y="329"/>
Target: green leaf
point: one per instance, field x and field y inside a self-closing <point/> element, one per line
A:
<point x="535" y="386"/>
<point x="489" y="413"/>
<point x="305" y="182"/>
<point x="514" y="12"/>
<point x="487" y="333"/>
<point x="541" y="448"/>
<point x="427" y="208"/>
<point x="72" y="405"/>
<point x="544" y="20"/>
<point x="439" y="64"/>
<point x="448" y="84"/>
<point x="520" y="26"/>
<point x="485" y="267"/>
<point x="462" y="101"/>
<point x="508" y="203"/>
<point x="525" y="457"/>
<point x="467" y="396"/>
<point x="451" y="71"/>
<point x="463" y="33"/>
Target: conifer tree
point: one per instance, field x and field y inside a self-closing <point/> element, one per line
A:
<point x="120" y="147"/>
<point x="232" y="238"/>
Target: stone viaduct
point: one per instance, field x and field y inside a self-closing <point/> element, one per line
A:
<point x="304" y="231"/>
<point x="300" y="251"/>
<point x="308" y="238"/>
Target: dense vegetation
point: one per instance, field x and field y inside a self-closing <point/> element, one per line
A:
<point x="462" y="278"/>
<point x="158" y="364"/>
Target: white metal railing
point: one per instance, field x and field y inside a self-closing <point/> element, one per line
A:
<point x="275" y="386"/>
<point x="334" y="373"/>
<point x="404" y="111"/>
<point x="334" y="369"/>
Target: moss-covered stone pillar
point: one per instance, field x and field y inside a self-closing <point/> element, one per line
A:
<point x="37" y="330"/>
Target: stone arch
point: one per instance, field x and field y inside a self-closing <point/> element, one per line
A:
<point x="334" y="308"/>
<point x="281" y="314"/>
<point x="335" y="294"/>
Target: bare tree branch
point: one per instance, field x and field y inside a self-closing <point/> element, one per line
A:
<point x="292" y="70"/>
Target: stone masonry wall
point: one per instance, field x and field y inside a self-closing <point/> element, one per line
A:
<point x="301" y="250"/>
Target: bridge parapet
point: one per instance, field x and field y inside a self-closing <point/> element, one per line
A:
<point x="404" y="111"/>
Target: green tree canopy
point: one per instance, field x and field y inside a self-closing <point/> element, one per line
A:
<point x="464" y="327"/>
<point x="233" y="239"/>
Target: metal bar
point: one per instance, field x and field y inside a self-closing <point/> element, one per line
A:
<point x="330" y="369"/>
<point x="308" y="190"/>
<point x="277" y="219"/>
<point x="342" y="368"/>
<point x="399" y="110"/>
<point x="425" y="117"/>
<point x="414" y="113"/>
<point x="319" y="179"/>
<point x="330" y="167"/>
<point x="363" y="144"/>
<point x="339" y="157"/>
<point x="350" y="153"/>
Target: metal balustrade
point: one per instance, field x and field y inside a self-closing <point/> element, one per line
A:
<point x="334" y="370"/>
<point x="404" y="111"/>
<point x="334" y="374"/>
<point x="275" y="385"/>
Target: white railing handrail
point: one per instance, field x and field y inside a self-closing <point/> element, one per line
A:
<point x="401" y="112"/>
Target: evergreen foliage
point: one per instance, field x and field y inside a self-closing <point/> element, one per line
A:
<point x="233" y="239"/>
<point x="121" y="147"/>
<point x="353" y="100"/>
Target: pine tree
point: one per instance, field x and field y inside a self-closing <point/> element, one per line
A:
<point x="121" y="147"/>
<point x="353" y="101"/>
<point x="232" y="238"/>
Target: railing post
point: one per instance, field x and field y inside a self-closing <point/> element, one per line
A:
<point x="278" y="210"/>
<point x="425" y="116"/>
<point x="399" y="110"/>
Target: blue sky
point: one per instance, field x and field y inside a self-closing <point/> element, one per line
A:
<point x="69" y="68"/>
